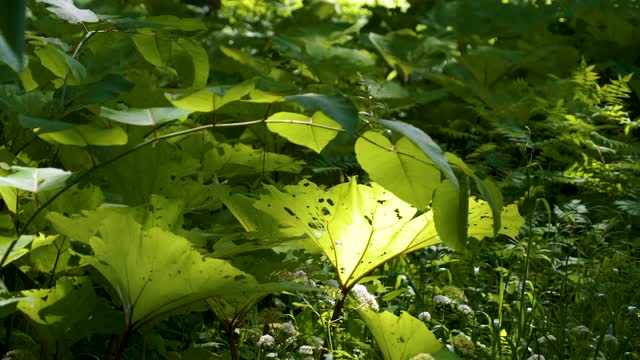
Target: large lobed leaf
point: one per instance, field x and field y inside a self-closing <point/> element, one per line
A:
<point x="357" y="227"/>
<point x="153" y="270"/>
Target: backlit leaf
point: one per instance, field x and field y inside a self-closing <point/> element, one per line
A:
<point x="399" y="337"/>
<point x="314" y="132"/>
<point x="401" y="167"/>
<point x="357" y="227"/>
<point x="339" y="108"/>
<point x="153" y="271"/>
<point x="424" y="143"/>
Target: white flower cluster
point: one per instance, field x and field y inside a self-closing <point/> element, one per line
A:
<point x="441" y="300"/>
<point x="365" y="298"/>
<point x="422" y="356"/>
<point x="266" y="341"/>
<point x="424" y="316"/>
<point x="305" y="349"/>
<point x="535" y="357"/>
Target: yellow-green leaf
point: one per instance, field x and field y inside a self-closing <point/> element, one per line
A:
<point x="314" y="132"/>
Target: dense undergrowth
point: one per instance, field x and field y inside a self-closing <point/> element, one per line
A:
<point x="254" y="180"/>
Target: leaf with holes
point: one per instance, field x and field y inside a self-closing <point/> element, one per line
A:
<point x="314" y="132"/>
<point x="481" y="223"/>
<point x="401" y="167"/>
<point x="357" y="227"/>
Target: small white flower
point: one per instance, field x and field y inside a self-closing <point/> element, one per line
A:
<point x="546" y="338"/>
<point x="465" y="309"/>
<point x="305" y="349"/>
<point x="608" y="338"/>
<point x="422" y="356"/>
<point x="581" y="330"/>
<point x="328" y="357"/>
<point x="441" y="299"/>
<point x="535" y="357"/>
<point x="424" y="316"/>
<point x="317" y="342"/>
<point x="365" y="298"/>
<point x="288" y="328"/>
<point x="266" y="340"/>
<point x="271" y="355"/>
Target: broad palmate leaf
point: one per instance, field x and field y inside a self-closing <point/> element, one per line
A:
<point x="153" y="270"/>
<point x="357" y="227"/>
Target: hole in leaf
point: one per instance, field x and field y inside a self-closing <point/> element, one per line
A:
<point x="368" y="219"/>
<point x="330" y="202"/>
<point x="320" y="201"/>
<point x="325" y="211"/>
<point x="289" y="211"/>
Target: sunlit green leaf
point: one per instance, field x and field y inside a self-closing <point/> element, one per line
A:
<point x="71" y="134"/>
<point x="424" y="143"/>
<point x="338" y="108"/>
<point x="153" y="270"/>
<point x="399" y="337"/>
<point x="357" y="227"/>
<point x="314" y="132"/>
<point x="401" y="167"/>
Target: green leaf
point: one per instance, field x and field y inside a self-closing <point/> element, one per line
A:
<point x="424" y="143"/>
<point x="153" y="270"/>
<point x="144" y="117"/>
<point x="24" y="244"/>
<point x="191" y="61"/>
<point x="147" y="45"/>
<point x="357" y="227"/>
<point x="66" y="10"/>
<point x="35" y="179"/>
<point x="339" y="108"/>
<point x="449" y="219"/>
<point x="227" y="161"/>
<point x="401" y="167"/>
<point x="314" y="132"/>
<point x="69" y="312"/>
<point x="176" y="23"/>
<point x="161" y="169"/>
<point x="487" y="188"/>
<point x="71" y="134"/>
<point x="399" y="337"/>
<point x="12" y="29"/>
<point x="210" y="99"/>
<point x="59" y="63"/>
<point x="481" y="222"/>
